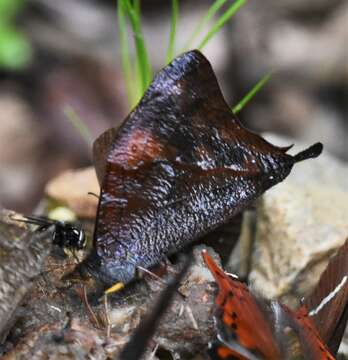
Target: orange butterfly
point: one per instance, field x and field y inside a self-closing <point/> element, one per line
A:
<point x="252" y="328"/>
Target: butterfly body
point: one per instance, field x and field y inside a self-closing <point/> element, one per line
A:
<point x="179" y="166"/>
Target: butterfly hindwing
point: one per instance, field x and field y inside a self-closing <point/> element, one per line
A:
<point x="181" y="132"/>
<point x="101" y="148"/>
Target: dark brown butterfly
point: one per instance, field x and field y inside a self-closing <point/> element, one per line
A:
<point x="250" y="328"/>
<point x="180" y="165"/>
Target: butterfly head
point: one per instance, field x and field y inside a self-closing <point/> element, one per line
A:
<point x="106" y="270"/>
<point x="113" y="271"/>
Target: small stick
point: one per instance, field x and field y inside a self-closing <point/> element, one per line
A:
<point x="155" y="276"/>
<point x="181" y="310"/>
<point x="159" y="279"/>
<point x="107" y="317"/>
<point x="89" y="309"/>
<point x="192" y="318"/>
<point x="153" y="352"/>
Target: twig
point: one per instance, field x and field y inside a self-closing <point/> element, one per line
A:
<point x="89" y="309"/>
<point x="107" y="317"/>
<point x="192" y="318"/>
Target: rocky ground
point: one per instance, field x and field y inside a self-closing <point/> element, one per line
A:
<point x="284" y="244"/>
<point x="284" y="241"/>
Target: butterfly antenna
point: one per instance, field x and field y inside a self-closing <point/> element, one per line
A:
<point x="93" y="194"/>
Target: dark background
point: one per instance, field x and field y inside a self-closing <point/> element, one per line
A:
<point x="75" y="61"/>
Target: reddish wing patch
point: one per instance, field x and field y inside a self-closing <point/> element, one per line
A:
<point x="241" y="314"/>
<point x="221" y="352"/>
<point x="318" y="328"/>
<point x="328" y="303"/>
<point x="101" y="148"/>
<point x="312" y="344"/>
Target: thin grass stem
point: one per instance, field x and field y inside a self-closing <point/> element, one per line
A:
<point x="256" y="88"/>
<point x="226" y="16"/>
<point x="78" y="124"/>
<point x="125" y="56"/>
<point x="172" y="36"/>
<point x="204" y="21"/>
<point x="144" y="67"/>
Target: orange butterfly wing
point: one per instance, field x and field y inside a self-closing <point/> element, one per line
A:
<point x="312" y="345"/>
<point x="321" y="320"/>
<point x="328" y="303"/>
<point x="246" y="331"/>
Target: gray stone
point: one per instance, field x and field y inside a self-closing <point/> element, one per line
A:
<point x="300" y="223"/>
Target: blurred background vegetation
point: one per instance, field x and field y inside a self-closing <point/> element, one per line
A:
<point x="15" y="49"/>
<point x="57" y="56"/>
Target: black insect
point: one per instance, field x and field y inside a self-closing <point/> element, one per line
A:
<point x="65" y="233"/>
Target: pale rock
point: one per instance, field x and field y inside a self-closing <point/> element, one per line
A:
<point x="71" y="188"/>
<point x="300" y="223"/>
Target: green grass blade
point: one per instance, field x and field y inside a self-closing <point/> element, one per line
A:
<point x="137" y="8"/>
<point x="226" y="16"/>
<point x="206" y="18"/>
<point x="256" y="88"/>
<point x="144" y="67"/>
<point x="137" y="84"/>
<point x="78" y="124"/>
<point x="125" y="56"/>
<point x="171" y="45"/>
